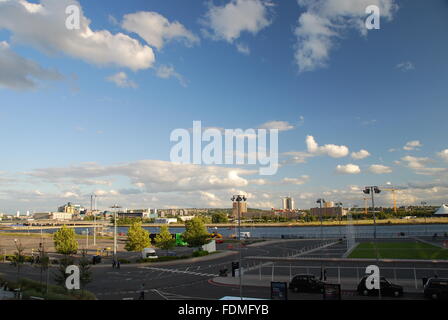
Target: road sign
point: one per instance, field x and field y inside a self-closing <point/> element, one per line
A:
<point x="279" y="291"/>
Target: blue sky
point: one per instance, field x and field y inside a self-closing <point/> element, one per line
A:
<point x="71" y="131"/>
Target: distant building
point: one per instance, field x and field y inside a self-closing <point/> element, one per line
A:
<point x="53" y="216"/>
<point x="287" y="203"/>
<point x="165" y="220"/>
<point x="137" y="213"/>
<point x="242" y="205"/>
<point x="71" y="208"/>
<point x="329" y="204"/>
<point x="328" y="212"/>
<point x="186" y="218"/>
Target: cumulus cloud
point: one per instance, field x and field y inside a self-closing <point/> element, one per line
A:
<point x="301" y="180"/>
<point x="121" y="80"/>
<point x="166" y="72"/>
<point x="155" y="175"/>
<point x="325" y="21"/>
<point x="361" y="154"/>
<point x="331" y="150"/>
<point x="348" y="169"/>
<point x="443" y="154"/>
<point x="243" y="48"/>
<point x="379" y="169"/>
<point x="42" y="25"/>
<point x="19" y="73"/>
<point x="419" y="165"/>
<point x="227" y="22"/>
<point x="280" y="125"/>
<point x="156" y="30"/>
<point x="412" y="145"/>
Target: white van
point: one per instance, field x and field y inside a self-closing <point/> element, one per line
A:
<point x="149" y="253"/>
<point x="244" y="235"/>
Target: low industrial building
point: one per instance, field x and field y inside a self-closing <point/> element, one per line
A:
<point x="328" y="212"/>
<point x="53" y="216"/>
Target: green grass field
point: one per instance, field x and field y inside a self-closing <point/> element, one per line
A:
<point x="399" y="250"/>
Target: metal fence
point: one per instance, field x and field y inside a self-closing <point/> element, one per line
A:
<point x="410" y="278"/>
<point x="363" y="235"/>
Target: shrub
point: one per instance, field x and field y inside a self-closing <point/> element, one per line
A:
<point x="200" y="253"/>
<point x="124" y="261"/>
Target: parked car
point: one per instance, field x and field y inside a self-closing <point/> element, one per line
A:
<point x="436" y="288"/>
<point x="306" y="283"/>
<point x="387" y="288"/>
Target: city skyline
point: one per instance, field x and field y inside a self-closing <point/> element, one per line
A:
<point x="91" y="110"/>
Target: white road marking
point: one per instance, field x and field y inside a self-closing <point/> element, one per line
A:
<point x="181" y="271"/>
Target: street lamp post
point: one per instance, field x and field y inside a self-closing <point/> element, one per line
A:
<point x="424" y="215"/>
<point x="372" y="190"/>
<point x="321" y="201"/>
<point x="339" y="204"/>
<point x="238" y="199"/>
<point x="115" y="207"/>
<point x="94" y="220"/>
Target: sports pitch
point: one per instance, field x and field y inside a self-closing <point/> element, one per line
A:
<point x="399" y="250"/>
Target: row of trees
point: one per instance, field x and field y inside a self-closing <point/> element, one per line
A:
<point x="195" y="235"/>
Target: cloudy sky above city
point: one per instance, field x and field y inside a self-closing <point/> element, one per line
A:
<point x="91" y="110"/>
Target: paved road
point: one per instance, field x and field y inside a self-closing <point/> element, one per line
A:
<point x="194" y="280"/>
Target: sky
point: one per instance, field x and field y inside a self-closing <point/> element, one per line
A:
<point x="91" y="110"/>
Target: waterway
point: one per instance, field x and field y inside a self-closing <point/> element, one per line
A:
<point x="384" y="231"/>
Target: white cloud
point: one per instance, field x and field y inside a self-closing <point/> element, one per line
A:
<point x="156" y="175"/>
<point x="301" y="180"/>
<point x="379" y="169"/>
<point x="348" y="169"/>
<point x="412" y="145"/>
<point x="297" y="156"/>
<point x="280" y="125"/>
<point x="243" y="48"/>
<point x="166" y="72"/>
<point x="19" y="73"/>
<point x="155" y="29"/>
<point x="121" y="80"/>
<point x="443" y="154"/>
<point x="361" y="154"/>
<point x="405" y="66"/>
<point x="331" y="150"/>
<point x="418" y="164"/>
<point x="42" y="25"/>
<point x="227" y="22"/>
<point x="324" y="21"/>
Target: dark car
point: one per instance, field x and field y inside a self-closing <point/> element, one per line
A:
<point x="387" y="288"/>
<point x="436" y="288"/>
<point x="306" y="283"/>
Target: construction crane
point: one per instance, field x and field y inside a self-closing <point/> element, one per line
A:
<point x="394" y="196"/>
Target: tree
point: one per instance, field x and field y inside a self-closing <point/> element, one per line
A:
<point x="60" y="276"/>
<point x="18" y="259"/>
<point x="164" y="240"/>
<point x="195" y="233"/>
<point x="85" y="274"/>
<point x="220" y="217"/>
<point x="138" y="238"/>
<point x="65" y="241"/>
<point x="43" y="261"/>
